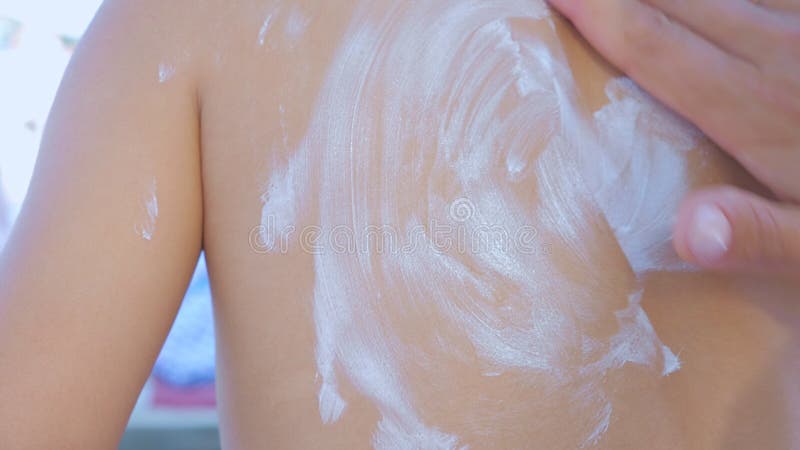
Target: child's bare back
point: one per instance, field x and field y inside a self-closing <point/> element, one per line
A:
<point x="438" y="224"/>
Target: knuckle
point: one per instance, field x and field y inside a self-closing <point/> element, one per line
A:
<point x="768" y="235"/>
<point x="791" y="35"/>
<point x="640" y="34"/>
<point x="785" y="45"/>
<point x="763" y="88"/>
<point x="776" y="90"/>
<point x="787" y="75"/>
<point x="769" y="87"/>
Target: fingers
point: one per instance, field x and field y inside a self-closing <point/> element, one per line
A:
<point x="739" y="27"/>
<point x="707" y="59"/>
<point x="697" y="79"/>
<point x="789" y="6"/>
<point x="728" y="228"/>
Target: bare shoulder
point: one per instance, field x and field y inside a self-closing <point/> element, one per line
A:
<point x="118" y="172"/>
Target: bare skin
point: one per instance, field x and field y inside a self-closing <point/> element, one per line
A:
<point x="86" y="302"/>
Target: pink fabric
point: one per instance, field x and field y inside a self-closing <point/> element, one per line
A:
<point x="195" y="397"/>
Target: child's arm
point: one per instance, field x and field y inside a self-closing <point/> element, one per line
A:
<point x="4" y="219"/>
<point x="105" y="245"/>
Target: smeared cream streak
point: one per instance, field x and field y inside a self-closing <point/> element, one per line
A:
<point x="644" y="146"/>
<point x="262" y="33"/>
<point x="147" y="227"/>
<point x="165" y="72"/>
<point x="475" y="107"/>
<point x="294" y="24"/>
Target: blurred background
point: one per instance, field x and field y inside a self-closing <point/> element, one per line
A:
<point x="177" y="407"/>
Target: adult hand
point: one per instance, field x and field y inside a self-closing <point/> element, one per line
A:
<point x="732" y="67"/>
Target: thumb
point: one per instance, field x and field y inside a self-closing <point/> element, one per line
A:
<point x="729" y="228"/>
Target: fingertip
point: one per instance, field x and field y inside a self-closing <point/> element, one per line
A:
<point x="709" y="234"/>
<point x="704" y="233"/>
<point x="726" y="228"/>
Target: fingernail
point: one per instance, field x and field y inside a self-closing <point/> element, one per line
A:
<point x="709" y="234"/>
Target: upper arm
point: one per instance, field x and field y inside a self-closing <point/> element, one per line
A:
<point x="107" y="239"/>
<point x="3" y="215"/>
